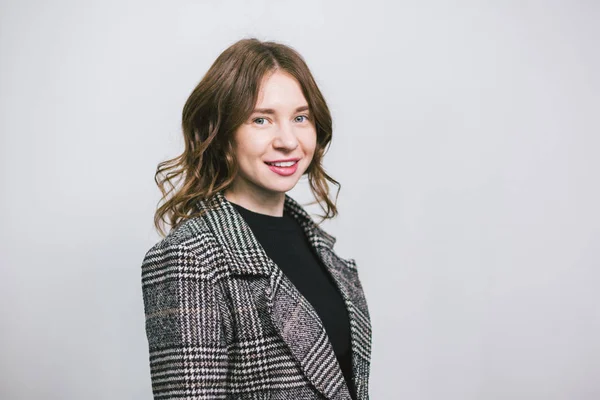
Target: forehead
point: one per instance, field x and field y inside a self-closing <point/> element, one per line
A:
<point x="280" y="90"/>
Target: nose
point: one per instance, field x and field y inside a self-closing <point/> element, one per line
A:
<point x="286" y="137"/>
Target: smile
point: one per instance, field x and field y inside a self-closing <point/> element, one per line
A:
<point x="284" y="170"/>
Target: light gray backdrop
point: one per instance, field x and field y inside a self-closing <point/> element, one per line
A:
<point x="466" y="139"/>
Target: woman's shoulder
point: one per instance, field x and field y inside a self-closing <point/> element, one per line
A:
<point x="187" y="242"/>
<point x="187" y="232"/>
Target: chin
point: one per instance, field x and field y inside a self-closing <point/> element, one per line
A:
<point x="281" y="188"/>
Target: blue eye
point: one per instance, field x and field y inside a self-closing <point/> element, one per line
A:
<point x="302" y="116"/>
<point x="260" y="118"/>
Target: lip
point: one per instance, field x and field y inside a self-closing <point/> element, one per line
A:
<point x="284" y="171"/>
<point x="282" y="160"/>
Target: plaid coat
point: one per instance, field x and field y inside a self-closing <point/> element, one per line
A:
<point x="224" y="322"/>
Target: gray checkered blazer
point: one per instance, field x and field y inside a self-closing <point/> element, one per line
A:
<point x="224" y="322"/>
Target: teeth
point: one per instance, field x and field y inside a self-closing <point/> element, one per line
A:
<point x="283" y="164"/>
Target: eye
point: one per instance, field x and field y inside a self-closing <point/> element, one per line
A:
<point x="261" y="120"/>
<point x="302" y="116"/>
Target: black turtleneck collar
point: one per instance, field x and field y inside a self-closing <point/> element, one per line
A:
<point x="286" y="222"/>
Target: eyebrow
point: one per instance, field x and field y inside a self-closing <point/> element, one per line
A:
<point x="271" y="111"/>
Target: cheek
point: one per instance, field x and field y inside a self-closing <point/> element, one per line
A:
<point x="248" y="147"/>
<point x="310" y="142"/>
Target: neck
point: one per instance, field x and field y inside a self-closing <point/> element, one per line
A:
<point x="268" y="203"/>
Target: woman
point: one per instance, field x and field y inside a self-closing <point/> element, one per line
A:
<point x="245" y="297"/>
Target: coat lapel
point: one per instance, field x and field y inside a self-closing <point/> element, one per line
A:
<point x="295" y="319"/>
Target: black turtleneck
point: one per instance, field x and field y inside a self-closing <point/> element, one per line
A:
<point x="286" y="244"/>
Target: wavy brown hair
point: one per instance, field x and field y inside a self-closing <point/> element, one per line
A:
<point x="218" y="105"/>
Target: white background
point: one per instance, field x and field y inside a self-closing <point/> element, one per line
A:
<point x="466" y="139"/>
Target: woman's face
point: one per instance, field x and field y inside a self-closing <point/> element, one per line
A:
<point x="280" y="128"/>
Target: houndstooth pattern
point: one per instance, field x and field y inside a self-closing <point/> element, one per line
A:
<point x="224" y="322"/>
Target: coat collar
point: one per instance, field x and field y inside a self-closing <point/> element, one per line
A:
<point x="307" y="340"/>
<point x="231" y="228"/>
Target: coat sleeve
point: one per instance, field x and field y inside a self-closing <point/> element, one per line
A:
<point x="188" y="355"/>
